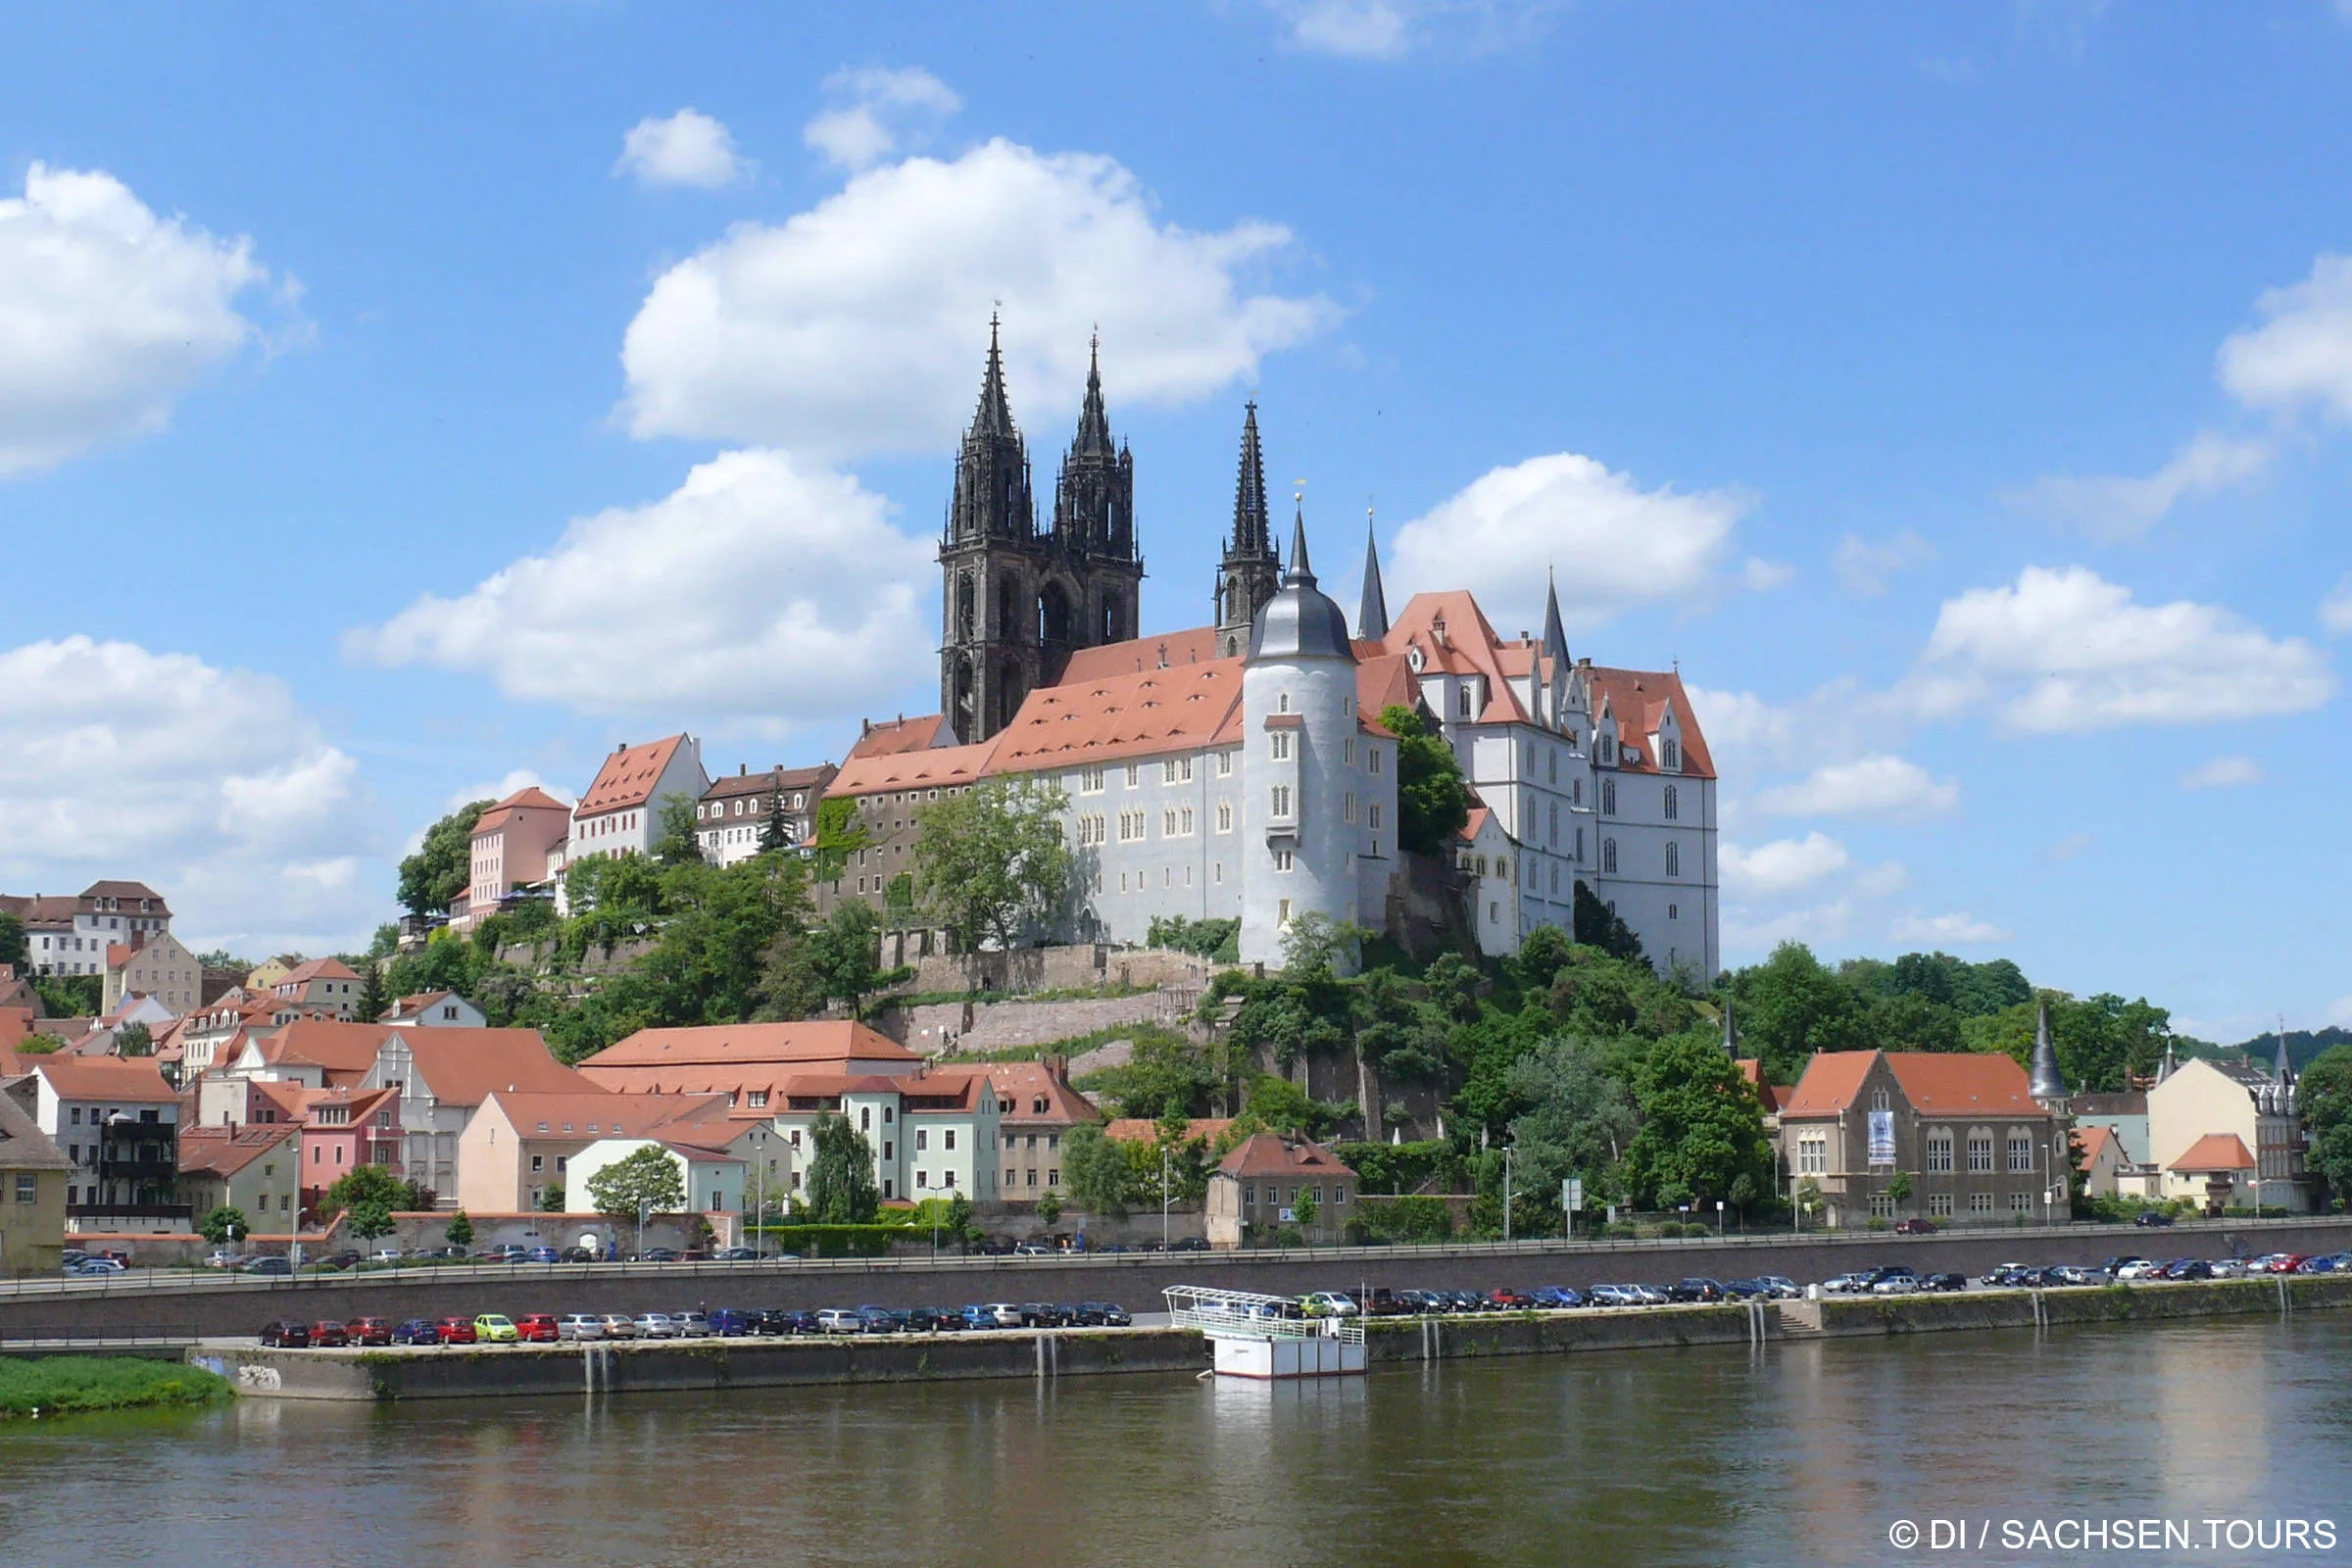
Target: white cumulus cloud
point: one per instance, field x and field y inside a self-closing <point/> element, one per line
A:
<point x="2116" y="507"/>
<point x="1610" y="544"/>
<point x="1868" y="786"/>
<point x="1864" y="565"/>
<point x="856" y="327"/>
<point x="687" y="148"/>
<point x="1946" y="931"/>
<point x="2301" y="355"/>
<point x="2335" y="610"/>
<point x="212" y="785"/>
<point x="1390" y="29"/>
<point x="2221" y="773"/>
<point x="762" y="587"/>
<point x="2066" y="649"/>
<point x="108" y="315"/>
<point x="1782" y="866"/>
<point x="873" y="112"/>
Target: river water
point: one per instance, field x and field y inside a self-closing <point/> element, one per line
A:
<point x="1807" y="1453"/>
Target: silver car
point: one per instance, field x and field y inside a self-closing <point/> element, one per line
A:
<point x="619" y="1325"/>
<point x="656" y="1326"/>
<point x="580" y="1326"/>
<point x="1008" y="1314"/>
<point x="840" y="1320"/>
<point x="691" y="1325"/>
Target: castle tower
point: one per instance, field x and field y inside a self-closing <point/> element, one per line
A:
<point x="1251" y="570"/>
<point x="1299" y="732"/>
<point x="1015" y="603"/>
<point x="2046" y="1083"/>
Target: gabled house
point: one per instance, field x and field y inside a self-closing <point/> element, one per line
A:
<point x="254" y="1170"/>
<point x="517" y="1150"/>
<point x="33" y="1176"/>
<point x="327" y="983"/>
<point x="442" y="1077"/>
<point x="1264" y="1183"/>
<point x="118" y="1120"/>
<point x="153" y="965"/>
<point x="511" y="848"/>
<point x="620" y="812"/>
<point x="434" y="1009"/>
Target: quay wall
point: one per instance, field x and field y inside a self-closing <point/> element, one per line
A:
<point x="234" y="1304"/>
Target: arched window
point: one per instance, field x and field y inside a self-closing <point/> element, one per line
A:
<point x="1669" y="756"/>
<point x="1673" y="858"/>
<point x="1673" y="805"/>
<point x="1461" y="699"/>
<point x="1608" y="797"/>
<point x="1608" y="856"/>
<point x="964" y="609"/>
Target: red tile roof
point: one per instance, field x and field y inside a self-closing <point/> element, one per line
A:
<point x="465" y="1066"/>
<point x="1638" y="700"/>
<point x="226" y="1151"/>
<point x="2216" y="1151"/>
<point x="1830" y="1081"/>
<point x="900" y="735"/>
<point x="506" y="812"/>
<point x="1194" y="645"/>
<point x="2092" y="1142"/>
<point x="342" y="1051"/>
<point x="1963" y="1083"/>
<point x="1023" y="1083"/>
<point x="629" y="776"/>
<point x="598" y="1113"/>
<point x="1753" y="1071"/>
<point x="318" y="970"/>
<point x="1143" y="1130"/>
<point x="130" y="1080"/>
<point x="1271" y="1155"/>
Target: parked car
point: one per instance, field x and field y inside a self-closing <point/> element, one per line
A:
<point x="283" y="1336"/>
<point x="2002" y="1274"/>
<point x="841" y="1320"/>
<point x="1782" y="1287"/>
<point x="1894" y="1282"/>
<point x="580" y="1326"/>
<point x="1333" y="1304"/>
<point x="343" y="1259"/>
<point x="1031" y="1250"/>
<point x="1944" y="1282"/>
<point x="1115" y="1316"/>
<point x="97" y="1265"/>
<point x="2152" y="1219"/>
<point x="2139" y="1268"/>
<point x="1555" y="1297"/>
<point x="658" y="1255"/>
<point x="1008" y="1314"/>
<point x="739" y="1255"/>
<point x="369" y="1331"/>
<point x="543" y="1254"/>
<point x="537" y="1327"/>
<point x="1191" y="1243"/>
<point x="1915" y="1226"/>
<point x="327" y="1333"/>
<point x="654" y="1326"/>
<point x="877" y="1320"/>
<point x="505" y="1253"/>
<point x="618" y="1326"/>
<point x="269" y="1267"/>
<point x="2189" y="1268"/>
<point x="496" y="1328"/>
<point x="1039" y="1315"/>
<point x="777" y="1320"/>
<point x="387" y="1255"/>
<point x="582" y="1254"/>
<point x="456" y="1331"/>
<point x="693" y="1325"/>
<point x="2228" y="1268"/>
<point x="733" y="1322"/>
<point x="2328" y="1264"/>
<point x="1696" y="1290"/>
<point x="1611" y="1296"/>
<point x="1852" y="1284"/>
<point x="947" y="1319"/>
<point x="416" y="1331"/>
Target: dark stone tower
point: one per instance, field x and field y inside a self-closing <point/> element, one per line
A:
<point x="1014" y="602"/>
<point x="1251" y="571"/>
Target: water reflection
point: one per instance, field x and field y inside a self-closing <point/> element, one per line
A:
<point x="1802" y="1455"/>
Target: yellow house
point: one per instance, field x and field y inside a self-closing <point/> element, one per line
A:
<point x="266" y="975"/>
<point x="32" y="1195"/>
<point x="255" y="1169"/>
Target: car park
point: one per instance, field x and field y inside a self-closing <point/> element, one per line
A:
<point x="283" y="1336"/>
<point x="455" y="1331"/>
<point x="580" y="1326"/>
<point x="416" y="1331"/>
<point x="537" y="1327"/>
<point x="496" y="1328"/>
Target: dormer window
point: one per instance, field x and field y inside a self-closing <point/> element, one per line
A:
<point x="1670" y="755"/>
<point x="1461" y="701"/>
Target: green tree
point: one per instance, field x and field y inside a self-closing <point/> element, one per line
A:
<point x="1305" y="1210"/>
<point x="366" y="1220"/>
<point x="1702" y="1125"/>
<point x="1433" y="801"/>
<point x="224" y="1222"/>
<point x="443" y="864"/>
<point x="1288" y="1108"/>
<point x="13" y="949"/>
<point x="459" y="1232"/>
<point x="1790" y="1006"/>
<point x="2323" y="1095"/>
<point x="1099" y="1172"/>
<point x="1580" y="1117"/>
<point x="1598" y="926"/>
<point x="384" y="944"/>
<point x="39" y="1045"/>
<point x="637" y="1185"/>
<point x="676" y="839"/>
<point x="1164" y="1068"/>
<point x="775" y="834"/>
<point x="989" y="861"/>
<point x="373" y="1184"/>
<point x="1898" y="1187"/>
<point x="551" y="1200"/>
<point x="841" y="1174"/>
<point x="1049" y="1208"/>
<point x="373" y="999"/>
<point x="957" y="1221"/>
<point x="134" y="1040"/>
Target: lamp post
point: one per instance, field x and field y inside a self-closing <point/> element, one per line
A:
<point x="1506" y="1191"/>
<point x="1163" y="1198"/>
<point x="1719" y="1220"/>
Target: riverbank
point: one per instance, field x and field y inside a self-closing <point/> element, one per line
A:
<point x="70" y="1384"/>
<point x="388" y="1376"/>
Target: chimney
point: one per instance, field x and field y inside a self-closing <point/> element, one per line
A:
<point x="741" y="768"/>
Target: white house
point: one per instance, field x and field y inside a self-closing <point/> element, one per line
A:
<point x="620" y="812"/>
<point x="70" y="935"/>
<point x="434" y="1009"/>
<point x="712" y="1178"/>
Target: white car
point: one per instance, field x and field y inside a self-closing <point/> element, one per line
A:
<point x="580" y="1326"/>
<point x="387" y="1255"/>
<point x="2139" y="1268"/>
<point x="845" y="1320"/>
<point x="1895" y="1285"/>
<point x="2228" y="1268"/>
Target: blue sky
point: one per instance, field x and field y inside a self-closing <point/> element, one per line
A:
<point x="398" y="404"/>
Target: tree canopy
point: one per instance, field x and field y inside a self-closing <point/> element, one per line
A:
<point x="1433" y="800"/>
<point x="645" y="1180"/>
<point x="989" y="861"/>
<point x="841" y="1174"/>
<point x="443" y="864"/>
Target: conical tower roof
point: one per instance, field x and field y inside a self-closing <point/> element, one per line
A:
<point x="2046" y="1081"/>
<point x="994" y="413"/>
<point x="1094" y="424"/>
<point x="1301" y="622"/>
<point x="1372" y="611"/>
<point x="1252" y="532"/>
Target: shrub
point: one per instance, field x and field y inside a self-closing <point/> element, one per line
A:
<point x="1403" y="1219"/>
<point x="835" y="1241"/>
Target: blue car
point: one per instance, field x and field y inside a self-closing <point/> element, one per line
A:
<point x="732" y="1322"/>
<point x="416" y="1331"/>
<point x="979" y="1317"/>
<point x="543" y="1254"/>
<point x="1555" y="1297"/>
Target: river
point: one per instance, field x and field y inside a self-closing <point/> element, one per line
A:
<point x="1804" y="1454"/>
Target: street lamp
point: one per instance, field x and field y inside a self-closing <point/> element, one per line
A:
<point x="1163" y="1198"/>
<point x="1507" y="1153"/>
<point x="1719" y="1220"/>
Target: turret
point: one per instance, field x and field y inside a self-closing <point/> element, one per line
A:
<point x="2048" y="1084"/>
<point x="1251" y="571"/>
<point x="1372" y="611"/>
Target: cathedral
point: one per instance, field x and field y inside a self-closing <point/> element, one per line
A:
<point x="1240" y="769"/>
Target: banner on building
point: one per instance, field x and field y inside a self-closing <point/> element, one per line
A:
<point x="1882" y="1138"/>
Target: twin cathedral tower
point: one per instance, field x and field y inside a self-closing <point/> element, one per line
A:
<point x="1017" y="602"/>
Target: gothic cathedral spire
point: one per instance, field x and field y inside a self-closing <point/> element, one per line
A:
<point x="1372" y="614"/>
<point x="1251" y="570"/>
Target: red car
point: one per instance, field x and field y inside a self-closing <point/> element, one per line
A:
<point x="536" y="1328"/>
<point x="455" y="1331"/>
<point x="2288" y="1262"/>
<point x="1510" y="1299"/>
<point x="369" y="1331"/>
<point x="1915" y="1226"/>
<point x="330" y="1335"/>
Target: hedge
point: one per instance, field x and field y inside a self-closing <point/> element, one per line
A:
<point x="837" y="1240"/>
<point x="1403" y="1219"/>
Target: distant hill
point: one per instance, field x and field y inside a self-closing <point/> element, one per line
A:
<point x="2302" y="1044"/>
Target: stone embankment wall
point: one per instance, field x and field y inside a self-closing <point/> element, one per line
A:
<point x="238" y="1305"/>
<point x="982" y="1026"/>
<point x="1060" y="969"/>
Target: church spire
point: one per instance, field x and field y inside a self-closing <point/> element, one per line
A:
<point x="995" y="417"/>
<point x="1094" y="425"/>
<point x="1372" y="615"/>
<point x="2282" y="1070"/>
<point x="2046" y="1081"/>
<point x="1300" y="572"/>
<point x="1555" y="635"/>
<point x="1731" y="1037"/>
<point x="1251" y="533"/>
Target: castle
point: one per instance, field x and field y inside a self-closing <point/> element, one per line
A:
<point x="1238" y="770"/>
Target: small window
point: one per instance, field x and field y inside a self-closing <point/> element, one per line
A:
<point x="1608" y="856"/>
<point x="1673" y="805"/>
<point x="1673" y="858"/>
